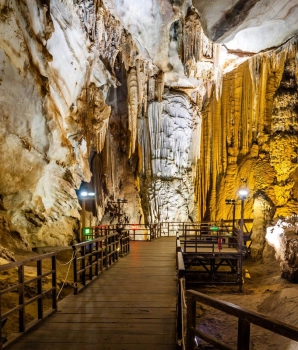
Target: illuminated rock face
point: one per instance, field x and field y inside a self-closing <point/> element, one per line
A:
<point x="52" y="91"/>
<point x="170" y="140"/>
<point x="284" y="239"/>
<point x="249" y="138"/>
<point x="61" y="62"/>
<point x="248" y="25"/>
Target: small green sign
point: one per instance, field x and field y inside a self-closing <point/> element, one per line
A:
<point x="213" y="228"/>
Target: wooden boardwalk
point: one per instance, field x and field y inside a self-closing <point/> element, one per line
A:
<point x="132" y="306"/>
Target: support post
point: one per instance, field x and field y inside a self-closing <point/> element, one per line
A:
<point x="241" y="244"/>
<point x="191" y="322"/>
<point x="234" y="215"/>
<point x="243" y="334"/>
<point x="83" y="219"/>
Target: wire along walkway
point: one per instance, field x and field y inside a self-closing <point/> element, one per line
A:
<point x="132" y="306"/>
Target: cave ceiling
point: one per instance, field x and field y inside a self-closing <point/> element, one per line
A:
<point x="249" y="25"/>
<point x="244" y="26"/>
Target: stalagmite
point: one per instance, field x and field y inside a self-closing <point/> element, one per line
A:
<point x="174" y="128"/>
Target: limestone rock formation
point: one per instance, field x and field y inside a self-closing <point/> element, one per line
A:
<point x="249" y="137"/>
<point x="157" y="102"/>
<point x="283" y="237"/>
<point x="53" y="91"/>
<point x="169" y="143"/>
<point x="248" y="25"/>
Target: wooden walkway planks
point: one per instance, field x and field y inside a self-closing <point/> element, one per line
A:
<point x="132" y="306"/>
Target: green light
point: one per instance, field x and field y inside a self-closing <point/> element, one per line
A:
<point x="87" y="231"/>
<point x="213" y="228"/>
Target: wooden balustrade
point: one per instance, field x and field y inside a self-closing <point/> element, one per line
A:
<point x="21" y="286"/>
<point x="245" y="319"/>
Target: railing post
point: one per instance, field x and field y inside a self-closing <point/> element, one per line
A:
<point x="90" y="261"/>
<point x="75" y="271"/>
<point x="21" y="299"/>
<point x="101" y="256"/>
<point x="54" y="283"/>
<point x="107" y="250"/>
<point x="39" y="290"/>
<point x="117" y="246"/>
<point x="97" y="258"/>
<point x="127" y="243"/>
<point x="0" y="323"/>
<point x="180" y="307"/>
<point x="243" y="334"/>
<point x="191" y="322"/>
<point x="83" y="265"/>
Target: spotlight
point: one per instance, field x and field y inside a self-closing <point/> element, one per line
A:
<point x="86" y="194"/>
<point x="243" y="193"/>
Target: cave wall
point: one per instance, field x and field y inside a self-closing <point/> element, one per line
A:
<point x="249" y="137"/>
<point x="57" y="65"/>
<point x="165" y="127"/>
<point x="60" y="64"/>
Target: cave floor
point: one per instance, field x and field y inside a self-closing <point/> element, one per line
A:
<point x="131" y="306"/>
<point x="264" y="292"/>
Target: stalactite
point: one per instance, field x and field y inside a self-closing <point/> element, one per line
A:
<point x="160" y="86"/>
<point x="144" y="141"/>
<point x="128" y="50"/>
<point x="111" y="163"/>
<point x="141" y="79"/>
<point x="102" y="136"/>
<point x="238" y="131"/>
<point x="132" y="88"/>
<point x="191" y="39"/>
<point x="151" y="89"/>
<point x="217" y="70"/>
<point x="195" y="46"/>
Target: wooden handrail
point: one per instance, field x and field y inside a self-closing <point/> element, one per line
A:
<point x="155" y="230"/>
<point x="24" y="262"/>
<point x="245" y="318"/>
<point x="92" y="257"/>
<point x="20" y="288"/>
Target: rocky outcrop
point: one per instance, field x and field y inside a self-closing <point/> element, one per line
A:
<point x="263" y="213"/>
<point x="248" y="136"/>
<point x="283" y="237"/>
<point x="55" y="74"/>
<point x="248" y="25"/>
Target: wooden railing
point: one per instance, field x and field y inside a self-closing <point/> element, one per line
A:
<point x="21" y="286"/>
<point x="181" y="327"/>
<point x="136" y="232"/>
<point x="124" y="243"/>
<point x="148" y="232"/>
<point x="245" y="319"/>
<point x="92" y="257"/>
